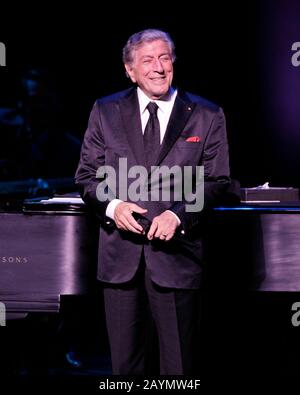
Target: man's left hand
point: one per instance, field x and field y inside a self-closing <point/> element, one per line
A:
<point x="163" y="226"/>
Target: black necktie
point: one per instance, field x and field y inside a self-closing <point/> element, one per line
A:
<point x="152" y="136"/>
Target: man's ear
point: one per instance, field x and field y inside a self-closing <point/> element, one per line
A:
<point x="129" y="72"/>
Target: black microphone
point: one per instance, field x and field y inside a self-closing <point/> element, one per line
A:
<point x="143" y="221"/>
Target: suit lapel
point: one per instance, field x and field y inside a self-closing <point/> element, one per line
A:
<point x="180" y="114"/>
<point x="129" y="108"/>
<point x="130" y="113"/>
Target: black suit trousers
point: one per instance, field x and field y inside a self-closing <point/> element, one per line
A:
<point x="175" y="314"/>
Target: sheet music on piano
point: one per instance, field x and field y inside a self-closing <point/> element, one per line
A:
<point x="63" y="200"/>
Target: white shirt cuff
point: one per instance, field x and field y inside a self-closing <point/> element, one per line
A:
<point x="110" y="209"/>
<point x="170" y="211"/>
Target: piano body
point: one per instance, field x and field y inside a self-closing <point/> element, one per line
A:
<point x="48" y="249"/>
<point x="257" y="247"/>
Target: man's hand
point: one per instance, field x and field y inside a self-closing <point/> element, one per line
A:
<point x="124" y="219"/>
<point x="163" y="226"/>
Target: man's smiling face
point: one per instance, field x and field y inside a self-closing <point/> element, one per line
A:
<point x="152" y="68"/>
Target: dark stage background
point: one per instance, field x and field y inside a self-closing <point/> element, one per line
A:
<point x="237" y="55"/>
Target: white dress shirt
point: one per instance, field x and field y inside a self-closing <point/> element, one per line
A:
<point x="164" y="110"/>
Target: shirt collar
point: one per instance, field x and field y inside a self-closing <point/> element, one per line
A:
<point x="163" y="105"/>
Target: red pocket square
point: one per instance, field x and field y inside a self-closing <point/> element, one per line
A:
<point x="193" y="139"/>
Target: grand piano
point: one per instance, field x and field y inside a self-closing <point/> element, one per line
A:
<point x="48" y="250"/>
<point x="255" y="247"/>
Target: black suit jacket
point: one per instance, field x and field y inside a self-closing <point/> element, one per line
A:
<point x="195" y="135"/>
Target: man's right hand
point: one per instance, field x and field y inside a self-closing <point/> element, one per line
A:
<point x="124" y="219"/>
